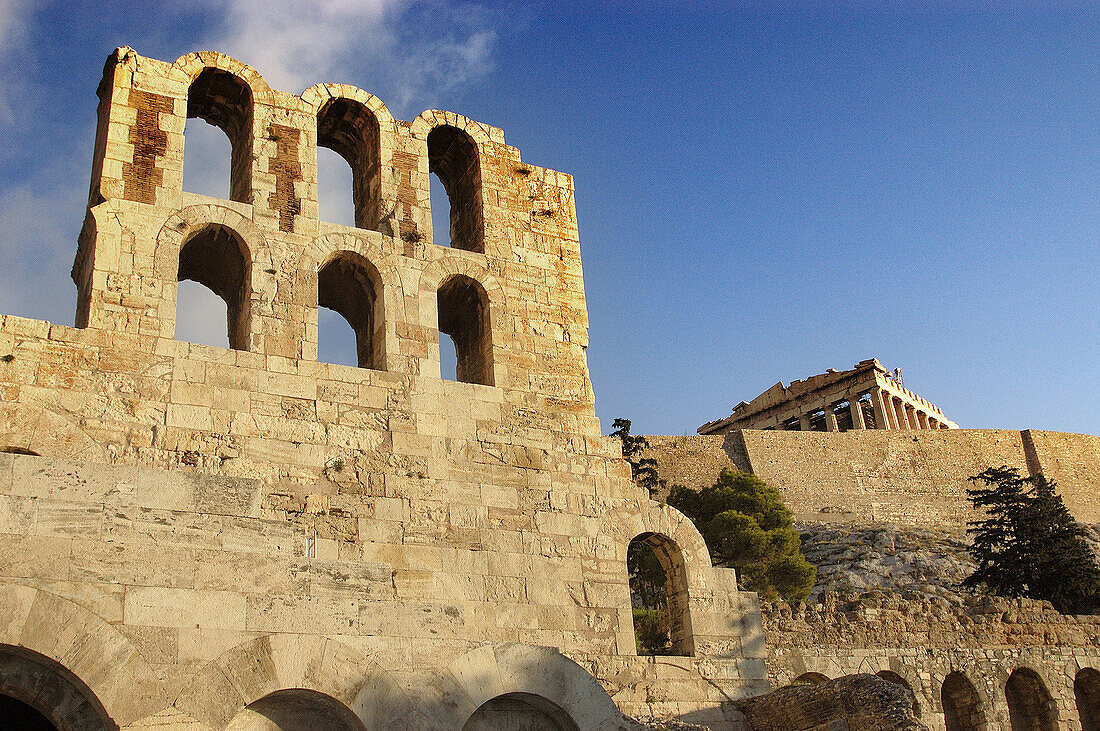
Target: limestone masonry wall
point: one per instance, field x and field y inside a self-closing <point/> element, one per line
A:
<point x="910" y="477"/>
<point x="930" y="646"/>
<point x="200" y="538"/>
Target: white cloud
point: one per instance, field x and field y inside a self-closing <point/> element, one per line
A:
<point x="408" y="47"/>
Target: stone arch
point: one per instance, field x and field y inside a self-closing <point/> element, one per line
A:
<point x="469" y="312"/>
<point x="336" y="106"/>
<point x="676" y="618"/>
<point x="1086" y="692"/>
<point x="77" y="654"/>
<point x="295" y="709"/>
<point x="349" y="284"/>
<point x="390" y="292"/>
<point x="962" y="706"/>
<point x="1030" y="706"/>
<point x="286" y="667"/>
<point x="44" y="690"/>
<point x="539" y="676"/>
<point x="455" y="147"/>
<point x="222" y="91"/>
<point x="519" y="711"/>
<point x="184" y="226"/>
<point x="462" y="306"/>
<point x="810" y="678"/>
<point x="898" y="679"/>
<point x="28" y="429"/>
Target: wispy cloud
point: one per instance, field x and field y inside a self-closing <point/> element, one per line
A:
<point x="15" y="17"/>
<point x="407" y="48"/>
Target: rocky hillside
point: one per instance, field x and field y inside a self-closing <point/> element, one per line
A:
<point x="859" y="557"/>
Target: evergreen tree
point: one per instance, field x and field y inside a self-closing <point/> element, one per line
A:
<point x="1030" y="545"/>
<point x="643" y="470"/>
<point x="746" y="526"/>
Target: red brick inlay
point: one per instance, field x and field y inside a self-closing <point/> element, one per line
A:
<point x="141" y="177"/>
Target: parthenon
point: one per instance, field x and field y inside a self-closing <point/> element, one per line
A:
<point x="865" y="397"/>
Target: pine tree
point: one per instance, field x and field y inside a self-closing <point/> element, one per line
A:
<point x="1030" y="545"/>
<point x="643" y="470"/>
<point x="746" y="526"/>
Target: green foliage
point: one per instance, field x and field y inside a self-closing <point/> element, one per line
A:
<point x="643" y="470"/>
<point x="747" y="526"/>
<point x="650" y="634"/>
<point x="1030" y="545"/>
<point x="647" y="577"/>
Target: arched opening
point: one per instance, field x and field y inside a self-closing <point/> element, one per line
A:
<point x="810" y="679"/>
<point x="217" y="258"/>
<point x="350" y="286"/>
<point x="1086" y="690"/>
<point x="38" y="694"/>
<point x="896" y="679"/>
<point x="224" y="101"/>
<point x="295" y="709"/>
<point x="520" y="712"/>
<point x="351" y="130"/>
<point x="1029" y="703"/>
<point x="659" y="596"/>
<point x="463" y="310"/>
<point x="962" y="709"/>
<point x="453" y="156"/>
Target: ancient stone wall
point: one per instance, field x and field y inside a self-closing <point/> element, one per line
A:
<point x="901" y="477"/>
<point x="852" y="703"/>
<point x="964" y="653"/>
<point x="200" y="537"/>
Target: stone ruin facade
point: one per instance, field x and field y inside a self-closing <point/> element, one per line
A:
<point x="241" y="538"/>
<point x="865" y="397"/>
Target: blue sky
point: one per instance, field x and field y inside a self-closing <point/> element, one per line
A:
<point x="765" y="190"/>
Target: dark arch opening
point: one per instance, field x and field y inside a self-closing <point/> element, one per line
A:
<point x="962" y="708"/>
<point x="295" y="709"/>
<point x="350" y="286"/>
<point x="1029" y="703"/>
<point x="810" y="679"/>
<point x="520" y="712"/>
<point x="39" y="694"/>
<point x="351" y="130"/>
<point x="896" y="679"/>
<point x="659" y="596"/>
<point x="1086" y="691"/>
<point x="225" y="101"/>
<point x="463" y="310"/>
<point x="217" y="258"/>
<point x="453" y="157"/>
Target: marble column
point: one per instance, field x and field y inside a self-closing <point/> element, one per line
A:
<point x="830" y="419"/>
<point x="857" y="414"/>
<point x="803" y="422"/>
<point x="878" y="402"/>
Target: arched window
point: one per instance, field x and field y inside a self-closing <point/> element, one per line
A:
<point x="520" y="711"/>
<point x="350" y="286"/>
<point x="962" y="709"/>
<point x="351" y="130"/>
<point x="896" y="679"/>
<point x="1029" y="703"/>
<point x="659" y="596"/>
<point x="810" y="679"/>
<point x="464" y="315"/>
<point x="295" y="709"/>
<point x="225" y="101"/>
<point x="217" y="258"/>
<point x="453" y="157"/>
<point x="1086" y="689"/>
<point x="38" y="694"/>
